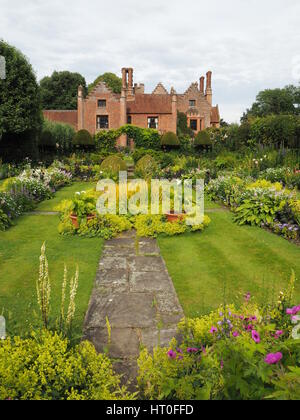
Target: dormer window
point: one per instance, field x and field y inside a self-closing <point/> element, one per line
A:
<point x="192" y="103"/>
<point x="101" y="103"/>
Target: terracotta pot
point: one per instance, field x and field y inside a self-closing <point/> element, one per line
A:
<point x="174" y="217"/>
<point x="74" y="219"/>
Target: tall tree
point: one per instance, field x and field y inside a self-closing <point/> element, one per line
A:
<point x="20" y="112"/>
<point x="59" y="91"/>
<point x="111" y="80"/>
<point x="275" y="102"/>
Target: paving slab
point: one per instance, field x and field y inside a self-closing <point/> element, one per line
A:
<point x="134" y="291"/>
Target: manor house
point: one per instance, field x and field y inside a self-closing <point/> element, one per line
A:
<point x="102" y="109"/>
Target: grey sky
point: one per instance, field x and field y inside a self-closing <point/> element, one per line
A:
<point x="249" y="45"/>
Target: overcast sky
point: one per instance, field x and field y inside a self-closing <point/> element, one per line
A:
<point x="249" y="45"/>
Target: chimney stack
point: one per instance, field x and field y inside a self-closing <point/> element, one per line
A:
<point x="202" y="84"/>
<point x="208" y="92"/>
<point x="130" y="82"/>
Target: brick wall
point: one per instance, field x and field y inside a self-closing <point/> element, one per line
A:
<point x="66" y="117"/>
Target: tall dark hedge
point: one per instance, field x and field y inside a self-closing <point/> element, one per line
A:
<point x="20" y="111"/>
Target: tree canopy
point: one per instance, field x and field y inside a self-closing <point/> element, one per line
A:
<point x="59" y="91"/>
<point x="19" y="95"/>
<point x="111" y="80"/>
<point x="275" y="102"/>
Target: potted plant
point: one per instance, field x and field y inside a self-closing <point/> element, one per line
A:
<point x="174" y="216"/>
<point x="83" y="207"/>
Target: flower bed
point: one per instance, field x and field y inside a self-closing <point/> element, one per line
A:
<point x="247" y="353"/>
<point x="110" y="225"/>
<point x="22" y="193"/>
<point x="261" y="203"/>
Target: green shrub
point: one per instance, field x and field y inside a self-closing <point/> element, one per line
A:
<point x="146" y="167"/>
<point x="44" y="367"/>
<point x="113" y="165"/>
<point x="47" y="139"/>
<point x="106" y="140"/>
<point x="83" y="138"/>
<point x="170" y="139"/>
<point x="203" y="139"/>
<point x="142" y="137"/>
<point x="276" y="130"/>
<point x="56" y="135"/>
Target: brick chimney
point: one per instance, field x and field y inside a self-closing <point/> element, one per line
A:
<point x="202" y="84"/>
<point x="80" y="108"/>
<point x="208" y="92"/>
<point x="130" y="82"/>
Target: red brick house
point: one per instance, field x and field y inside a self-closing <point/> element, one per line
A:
<point x="102" y="109"/>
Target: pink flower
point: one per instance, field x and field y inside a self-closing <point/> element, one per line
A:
<point x="222" y="364"/>
<point x="293" y="311"/>
<point x="279" y="333"/>
<point x="273" y="358"/>
<point x="172" y="354"/>
<point x="213" y="330"/>
<point x="256" y="337"/>
<point x="235" y="334"/>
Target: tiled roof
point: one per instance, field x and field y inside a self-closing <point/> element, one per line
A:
<point x="215" y="115"/>
<point x="150" y="104"/>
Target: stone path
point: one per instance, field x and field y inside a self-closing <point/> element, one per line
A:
<point x="135" y="292"/>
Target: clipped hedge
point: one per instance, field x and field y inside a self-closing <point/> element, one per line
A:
<point x="83" y="138"/>
<point x="202" y="139"/>
<point x="170" y="139"/>
<point x="113" y="164"/>
<point x="146" y="167"/>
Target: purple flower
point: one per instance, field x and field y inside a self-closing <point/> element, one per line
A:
<point x="273" y="358"/>
<point x="222" y="364"/>
<point x="235" y="334"/>
<point x="172" y="354"/>
<point x="279" y="333"/>
<point x="256" y="337"/>
<point x="213" y="330"/>
<point x="192" y="350"/>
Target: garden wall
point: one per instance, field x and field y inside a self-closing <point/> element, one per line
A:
<point x="67" y="117"/>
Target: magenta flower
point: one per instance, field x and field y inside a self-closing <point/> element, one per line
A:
<point x="172" y="354"/>
<point x="213" y="330"/>
<point x="235" y="334"/>
<point x="273" y="358"/>
<point x="279" y="333"/>
<point x="293" y="311"/>
<point x="256" y="337"/>
<point x="192" y="350"/>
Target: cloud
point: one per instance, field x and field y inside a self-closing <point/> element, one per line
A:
<point x="248" y="47"/>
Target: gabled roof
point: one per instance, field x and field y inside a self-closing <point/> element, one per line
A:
<point x="160" y="90"/>
<point x="215" y="115"/>
<point x="150" y="104"/>
<point x="101" y="87"/>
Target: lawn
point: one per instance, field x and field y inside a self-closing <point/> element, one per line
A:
<point x="19" y="265"/>
<point x="64" y="194"/>
<point x="247" y="258"/>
